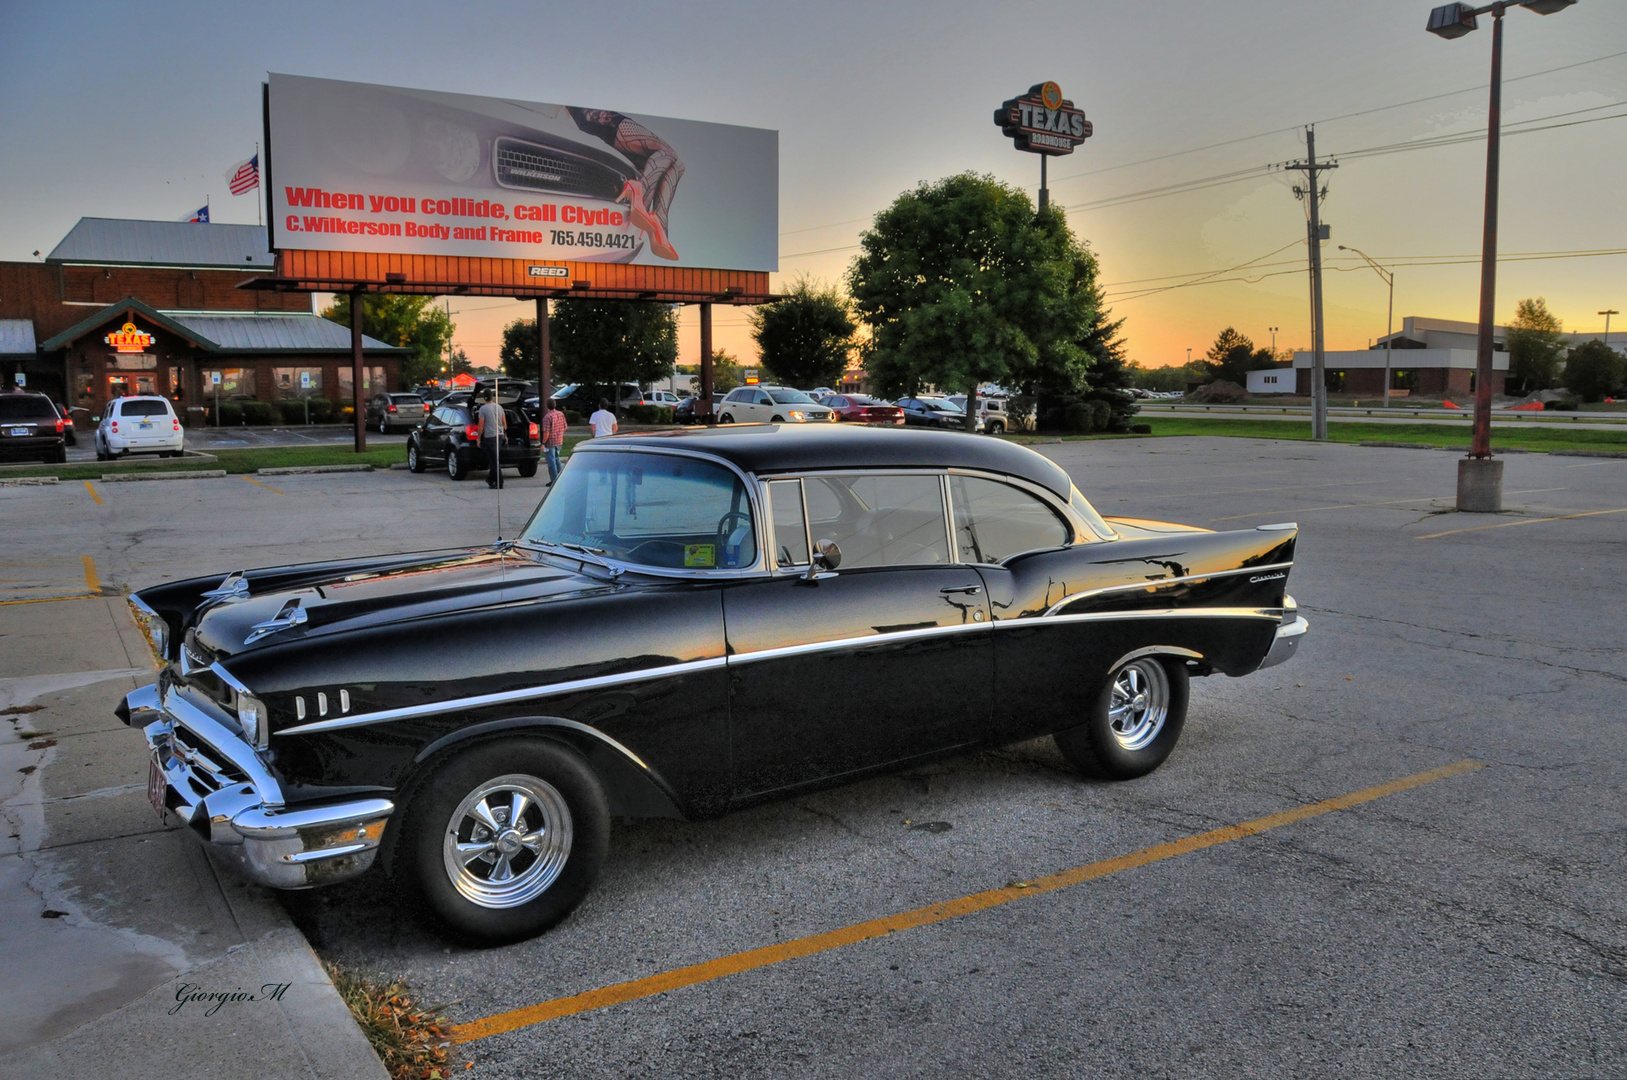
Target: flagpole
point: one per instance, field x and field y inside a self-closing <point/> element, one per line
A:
<point x="259" y="216"/>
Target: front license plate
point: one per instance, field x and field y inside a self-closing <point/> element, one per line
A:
<point x="156" y="786"/>
<point x="22" y="431"/>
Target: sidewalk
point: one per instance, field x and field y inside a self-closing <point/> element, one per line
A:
<point x="110" y="922"/>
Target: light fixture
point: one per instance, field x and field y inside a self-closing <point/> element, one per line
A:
<point x="1547" y="7"/>
<point x="1451" y="20"/>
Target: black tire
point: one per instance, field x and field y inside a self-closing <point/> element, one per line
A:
<point x="996" y="428"/>
<point x="566" y="814"/>
<point x="415" y="460"/>
<point x="1116" y="745"/>
<point x="61" y="456"/>
<point x="528" y="469"/>
<point x="455" y="468"/>
<point x="726" y="418"/>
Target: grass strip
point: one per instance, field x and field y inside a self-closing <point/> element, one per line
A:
<point x="1354" y="432"/>
<point x="250" y="460"/>
<point x="410" y="1041"/>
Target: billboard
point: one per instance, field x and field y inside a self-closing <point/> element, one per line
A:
<point x="358" y="167"/>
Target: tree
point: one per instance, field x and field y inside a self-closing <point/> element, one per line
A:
<point x="1594" y="371"/>
<point x="1165" y="379"/>
<point x="1233" y="356"/>
<point x="613" y="341"/>
<point x="1536" y="348"/>
<point x="409" y="321"/>
<point x="805" y="339"/>
<point x="458" y="362"/>
<point x="961" y="283"/>
<point x="1109" y="374"/>
<point x="519" y="354"/>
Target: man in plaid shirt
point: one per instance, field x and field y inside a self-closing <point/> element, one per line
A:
<point x="553" y="437"/>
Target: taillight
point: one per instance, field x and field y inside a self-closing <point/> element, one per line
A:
<point x="392" y="406"/>
<point x="59" y="425"/>
<point x="115" y="426"/>
<point x="177" y="424"/>
<point x="472" y="433"/>
<point x="535" y="432"/>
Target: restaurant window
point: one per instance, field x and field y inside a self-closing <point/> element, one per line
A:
<point x="371" y="377"/>
<point x="233" y="381"/>
<point x="298" y="382"/>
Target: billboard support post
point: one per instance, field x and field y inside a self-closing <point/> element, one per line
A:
<point x="545" y="362"/>
<point x="705" y="411"/>
<point x="356" y="369"/>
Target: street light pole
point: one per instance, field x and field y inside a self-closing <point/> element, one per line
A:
<point x="1388" y="277"/>
<point x="1480" y="477"/>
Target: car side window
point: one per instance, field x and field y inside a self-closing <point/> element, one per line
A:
<point x="879" y="520"/>
<point x="738" y="395"/>
<point x="790" y="523"/>
<point x="994" y="521"/>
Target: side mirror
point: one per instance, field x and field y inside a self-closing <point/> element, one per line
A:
<point x="826" y="557"/>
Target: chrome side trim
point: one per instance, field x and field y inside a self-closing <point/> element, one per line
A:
<point x="1156" y="583"/>
<point x="598" y="682"/>
<point x="557" y="721"/>
<point x="1281" y="526"/>
<point x="504" y="697"/>
<point x="1272" y="614"/>
<point x="229" y="679"/>
<point x="866" y="641"/>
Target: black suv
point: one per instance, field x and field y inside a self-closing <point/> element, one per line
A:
<point x="30" y="427"/>
<point x="448" y="436"/>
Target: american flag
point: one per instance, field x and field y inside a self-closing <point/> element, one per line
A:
<point x="244" y="177"/>
<point x="200" y="216"/>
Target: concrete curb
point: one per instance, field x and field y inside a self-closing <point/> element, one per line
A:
<point x="1590" y="453"/>
<point x="27" y="481"/>
<point x="297" y="470"/>
<point x="194" y="474"/>
<point x="1402" y="445"/>
<point x="129" y="463"/>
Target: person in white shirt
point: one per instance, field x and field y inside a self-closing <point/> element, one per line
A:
<point x="603" y="421"/>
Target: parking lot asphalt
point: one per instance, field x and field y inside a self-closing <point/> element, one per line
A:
<point x="1469" y="923"/>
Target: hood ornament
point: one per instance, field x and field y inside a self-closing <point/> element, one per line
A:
<point x="292" y="614"/>
<point x="233" y="587"/>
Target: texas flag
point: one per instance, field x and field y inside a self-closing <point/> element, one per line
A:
<point x="244" y="177"/>
<point x="199" y="216"/>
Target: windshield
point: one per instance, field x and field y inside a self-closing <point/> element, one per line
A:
<point x="789" y="397"/>
<point x="649" y="509"/>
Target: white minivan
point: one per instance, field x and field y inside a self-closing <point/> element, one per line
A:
<point x="771" y="405"/>
<point x="139" y="425"/>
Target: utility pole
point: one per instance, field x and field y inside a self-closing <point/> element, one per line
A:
<point x="1607" y="314"/>
<point x="1315" y="233"/>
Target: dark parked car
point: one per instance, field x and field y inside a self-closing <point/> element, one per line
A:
<point x="862" y="409"/>
<point x="30" y="427"/>
<point x="932" y="412"/>
<point x="684" y="412"/>
<point x="449" y="437"/>
<point x="691" y="621"/>
<point x="390" y="411"/>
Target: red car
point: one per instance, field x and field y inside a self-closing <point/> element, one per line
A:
<point x="860" y="409"/>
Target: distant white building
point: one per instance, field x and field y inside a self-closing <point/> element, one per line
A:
<point x="1271" y="381"/>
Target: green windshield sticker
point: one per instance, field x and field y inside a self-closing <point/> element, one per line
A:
<point x="701" y="555"/>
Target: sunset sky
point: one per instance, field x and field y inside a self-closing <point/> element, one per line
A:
<point x="120" y="110"/>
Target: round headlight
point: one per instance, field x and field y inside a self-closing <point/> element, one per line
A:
<point x="797" y="414"/>
<point x="253" y="718"/>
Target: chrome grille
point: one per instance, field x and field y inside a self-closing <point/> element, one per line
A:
<point x="535" y="167"/>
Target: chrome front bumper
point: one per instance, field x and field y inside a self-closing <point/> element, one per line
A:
<point x="1287" y="642"/>
<point x="208" y="779"/>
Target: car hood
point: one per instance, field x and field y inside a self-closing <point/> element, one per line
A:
<point x="338" y="601"/>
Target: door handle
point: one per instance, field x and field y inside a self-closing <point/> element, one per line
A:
<point x="969" y="590"/>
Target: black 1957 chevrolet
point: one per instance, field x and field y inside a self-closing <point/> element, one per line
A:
<point x="691" y="621"/>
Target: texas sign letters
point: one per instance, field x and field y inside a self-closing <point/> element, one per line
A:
<point x="1042" y="121"/>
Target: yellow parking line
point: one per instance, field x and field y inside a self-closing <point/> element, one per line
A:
<point x="93" y="494"/>
<point x="924" y="916"/>
<point x="50" y="599"/>
<point x="268" y="487"/>
<point x="92" y="582"/>
<point x="1355" y="506"/>
<point x="1522" y="521"/>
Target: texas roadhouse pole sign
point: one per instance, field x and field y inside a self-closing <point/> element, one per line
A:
<point x="1043" y="122"/>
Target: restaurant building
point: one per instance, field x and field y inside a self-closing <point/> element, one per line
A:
<point x="157" y="307"/>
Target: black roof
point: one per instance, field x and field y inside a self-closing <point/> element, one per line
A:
<point x="768" y="448"/>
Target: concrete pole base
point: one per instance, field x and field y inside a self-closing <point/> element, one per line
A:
<point x="1480" y="485"/>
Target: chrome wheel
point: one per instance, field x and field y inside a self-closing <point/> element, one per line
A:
<point x="507" y="841"/>
<point x="1138" y="703"/>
